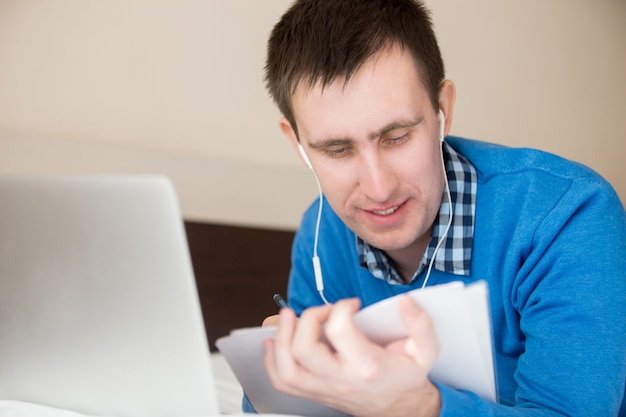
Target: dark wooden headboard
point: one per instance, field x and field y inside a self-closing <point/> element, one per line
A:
<point x="238" y="270"/>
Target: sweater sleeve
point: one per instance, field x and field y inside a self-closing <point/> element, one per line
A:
<point x="570" y="295"/>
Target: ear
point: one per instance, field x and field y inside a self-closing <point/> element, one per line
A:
<point x="447" y="97"/>
<point x="290" y="134"/>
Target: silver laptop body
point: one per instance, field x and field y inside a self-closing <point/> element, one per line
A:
<point x="99" y="311"/>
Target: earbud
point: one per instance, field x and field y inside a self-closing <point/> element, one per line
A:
<point x="304" y="156"/>
<point x="442" y="125"/>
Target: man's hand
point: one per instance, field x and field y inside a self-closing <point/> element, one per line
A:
<point x="325" y="358"/>
<point x="271" y="320"/>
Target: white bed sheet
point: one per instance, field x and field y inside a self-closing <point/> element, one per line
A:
<point x="21" y="409"/>
<point x="229" y="392"/>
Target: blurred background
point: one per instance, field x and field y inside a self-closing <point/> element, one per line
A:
<point x="176" y="87"/>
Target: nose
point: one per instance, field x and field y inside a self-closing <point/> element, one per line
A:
<point x="377" y="179"/>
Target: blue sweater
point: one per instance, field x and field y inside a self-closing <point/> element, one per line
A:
<point x="550" y="240"/>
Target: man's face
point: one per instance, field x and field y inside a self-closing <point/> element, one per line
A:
<point x="374" y="145"/>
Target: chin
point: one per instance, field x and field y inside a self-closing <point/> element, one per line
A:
<point x="389" y="242"/>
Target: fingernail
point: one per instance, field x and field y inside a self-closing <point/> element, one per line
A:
<point x="410" y="348"/>
<point x="410" y="305"/>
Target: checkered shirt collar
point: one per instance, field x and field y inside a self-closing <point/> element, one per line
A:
<point x="455" y="253"/>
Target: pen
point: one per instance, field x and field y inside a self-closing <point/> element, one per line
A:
<point x="279" y="301"/>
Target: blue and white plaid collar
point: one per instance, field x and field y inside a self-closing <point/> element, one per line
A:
<point x="455" y="253"/>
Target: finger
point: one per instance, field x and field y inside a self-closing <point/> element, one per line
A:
<point x="282" y="368"/>
<point x="270" y="321"/>
<point x="422" y="344"/>
<point x="340" y="325"/>
<point x="294" y="372"/>
<point x="309" y="345"/>
<point x="281" y="359"/>
<point x="357" y="353"/>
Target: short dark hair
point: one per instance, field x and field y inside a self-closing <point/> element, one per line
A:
<point x="321" y="40"/>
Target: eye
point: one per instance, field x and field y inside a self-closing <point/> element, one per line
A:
<point x="397" y="140"/>
<point x="336" y="152"/>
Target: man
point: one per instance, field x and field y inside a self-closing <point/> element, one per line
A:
<point x="361" y="88"/>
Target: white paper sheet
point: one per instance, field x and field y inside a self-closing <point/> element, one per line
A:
<point x="461" y="319"/>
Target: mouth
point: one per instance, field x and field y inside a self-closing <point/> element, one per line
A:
<point x="386" y="212"/>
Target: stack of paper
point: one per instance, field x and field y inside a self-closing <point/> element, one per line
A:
<point x="461" y="318"/>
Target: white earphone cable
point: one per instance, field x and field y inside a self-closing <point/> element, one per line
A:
<point x="443" y="235"/>
<point x="317" y="266"/>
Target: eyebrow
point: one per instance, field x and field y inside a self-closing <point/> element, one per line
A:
<point x="398" y="124"/>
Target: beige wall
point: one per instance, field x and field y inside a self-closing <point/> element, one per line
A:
<point x="176" y="87"/>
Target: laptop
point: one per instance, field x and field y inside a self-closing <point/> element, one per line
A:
<point x="99" y="312"/>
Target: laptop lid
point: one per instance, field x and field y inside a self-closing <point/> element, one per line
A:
<point x="99" y="311"/>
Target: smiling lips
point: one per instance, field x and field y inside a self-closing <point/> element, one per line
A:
<point x="388" y="211"/>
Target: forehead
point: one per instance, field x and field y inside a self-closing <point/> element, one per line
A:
<point x="386" y="87"/>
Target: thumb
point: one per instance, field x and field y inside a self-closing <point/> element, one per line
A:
<point x="422" y="343"/>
